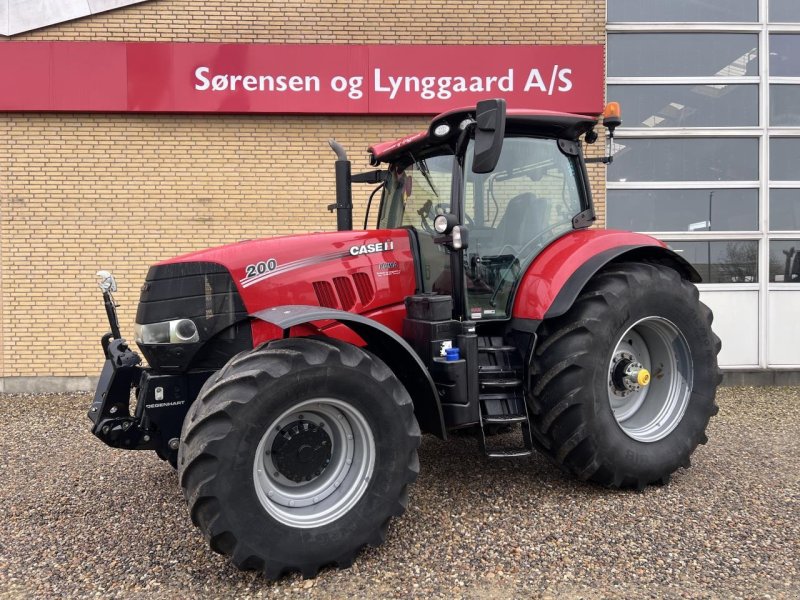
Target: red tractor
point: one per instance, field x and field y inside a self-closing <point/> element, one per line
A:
<point x="290" y="379"/>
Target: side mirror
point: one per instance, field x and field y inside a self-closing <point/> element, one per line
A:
<point x="490" y="129"/>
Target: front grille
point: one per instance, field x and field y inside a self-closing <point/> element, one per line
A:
<point x="190" y="291"/>
<point x="201" y="291"/>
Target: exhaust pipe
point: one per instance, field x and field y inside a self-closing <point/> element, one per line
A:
<point x="344" y="189"/>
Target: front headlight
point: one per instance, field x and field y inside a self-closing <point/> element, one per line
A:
<point x="179" y="331"/>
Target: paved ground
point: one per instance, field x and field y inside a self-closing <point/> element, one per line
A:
<point x="80" y="519"/>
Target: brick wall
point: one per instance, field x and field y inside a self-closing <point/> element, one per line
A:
<point x="119" y="192"/>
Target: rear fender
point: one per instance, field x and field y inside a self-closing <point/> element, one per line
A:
<point x="556" y="277"/>
<point x="382" y="341"/>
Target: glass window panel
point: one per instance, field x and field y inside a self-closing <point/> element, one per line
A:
<point x="683" y="210"/>
<point x="685" y="159"/>
<point x="683" y="10"/>
<point x="712" y="105"/>
<point x="784" y="105"/>
<point x="784" y="261"/>
<point x="784" y="210"/>
<point x="784" y="159"/>
<point x="784" y="11"/>
<point x="784" y="55"/>
<point x="682" y="54"/>
<point x="722" y="262"/>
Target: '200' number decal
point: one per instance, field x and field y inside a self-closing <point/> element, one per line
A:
<point x="259" y="268"/>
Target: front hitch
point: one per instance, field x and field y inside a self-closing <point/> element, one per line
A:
<point x="110" y="414"/>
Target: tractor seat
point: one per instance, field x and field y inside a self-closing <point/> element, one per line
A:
<point x="521" y="221"/>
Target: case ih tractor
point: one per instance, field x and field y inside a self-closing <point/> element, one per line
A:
<point x="289" y="379"/>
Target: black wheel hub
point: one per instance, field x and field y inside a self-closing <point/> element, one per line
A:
<point x="619" y="372"/>
<point x="301" y="451"/>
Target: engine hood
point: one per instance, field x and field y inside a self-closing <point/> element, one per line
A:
<point x="350" y="270"/>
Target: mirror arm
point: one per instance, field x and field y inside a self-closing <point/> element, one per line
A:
<point x="463" y="139"/>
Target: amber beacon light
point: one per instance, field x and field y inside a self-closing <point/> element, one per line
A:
<point x="612" y="116"/>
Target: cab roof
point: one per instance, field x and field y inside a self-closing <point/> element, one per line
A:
<point x="543" y="123"/>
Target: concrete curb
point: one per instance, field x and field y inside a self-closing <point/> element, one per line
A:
<point x="46" y="385"/>
<point x="761" y="378"/>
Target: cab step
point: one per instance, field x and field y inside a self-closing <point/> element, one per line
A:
<point x="509" y="453"/>
<point x="505" y="349"/>
<point x="502" y="400"/>
<point x="501" y="383"/>
<point x="505" y="419"/>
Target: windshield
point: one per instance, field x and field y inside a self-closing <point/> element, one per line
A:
<point x="416" y="192"/>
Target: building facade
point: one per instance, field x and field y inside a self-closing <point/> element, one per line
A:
<point x="708" y="157"/>
<point x="86" y="191"/>
<point x="711" y="133"/>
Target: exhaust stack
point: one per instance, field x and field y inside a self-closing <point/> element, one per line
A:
<point x="344" y="189"/>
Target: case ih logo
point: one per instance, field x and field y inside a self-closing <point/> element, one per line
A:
<point x="300" y="79"/>
<point x="370" y="248"/>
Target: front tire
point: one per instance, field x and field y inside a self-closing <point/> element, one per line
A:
<point x="590" y="413"/>
<point x="297" y="454"/>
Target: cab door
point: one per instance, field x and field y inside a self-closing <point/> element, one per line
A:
<point x="512" y="213"/>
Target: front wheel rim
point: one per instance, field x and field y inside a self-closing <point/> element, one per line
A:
<point x="314" y="462"/>
<point x="648" y="413"/>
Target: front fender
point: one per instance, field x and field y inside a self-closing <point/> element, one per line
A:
<point x="385" y="343"/>
<point x="555" y="278"/>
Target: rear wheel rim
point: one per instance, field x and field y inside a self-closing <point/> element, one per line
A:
<point x="648" y="413"/>
<point x="314" y="462"/>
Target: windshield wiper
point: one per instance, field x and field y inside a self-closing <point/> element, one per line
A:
<point x="423" y="168"/>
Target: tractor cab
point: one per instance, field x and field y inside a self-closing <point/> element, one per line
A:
<point x="483" y="199"/>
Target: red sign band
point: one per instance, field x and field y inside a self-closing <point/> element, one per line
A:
<point x="302" y="79"/>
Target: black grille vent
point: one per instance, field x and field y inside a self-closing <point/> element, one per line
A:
<point x="325" y="294"/>
<point x="190" y="290"/>
<point x="366" y="292"/>
<point x="344" y="289"/>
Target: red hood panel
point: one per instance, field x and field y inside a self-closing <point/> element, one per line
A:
<point x="357" y="271"/>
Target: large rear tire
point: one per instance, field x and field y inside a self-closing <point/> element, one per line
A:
<point x="624" y="382"/>
<point x="297" y="454"/>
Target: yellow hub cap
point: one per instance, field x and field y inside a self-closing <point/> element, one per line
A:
<point x="643" y="377"/>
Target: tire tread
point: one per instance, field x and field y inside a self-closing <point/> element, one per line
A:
<point x="212" y="417"/>
<point x="563" y="357"/>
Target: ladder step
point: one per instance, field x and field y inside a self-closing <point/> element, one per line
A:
<point x="496" y="397"/>
<point x="511" y="453"/>
<point x="496" y="370"/>
<point x="504" y="419"/>
<point x="501" y="383"/>
<point x="496" y="348"/>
